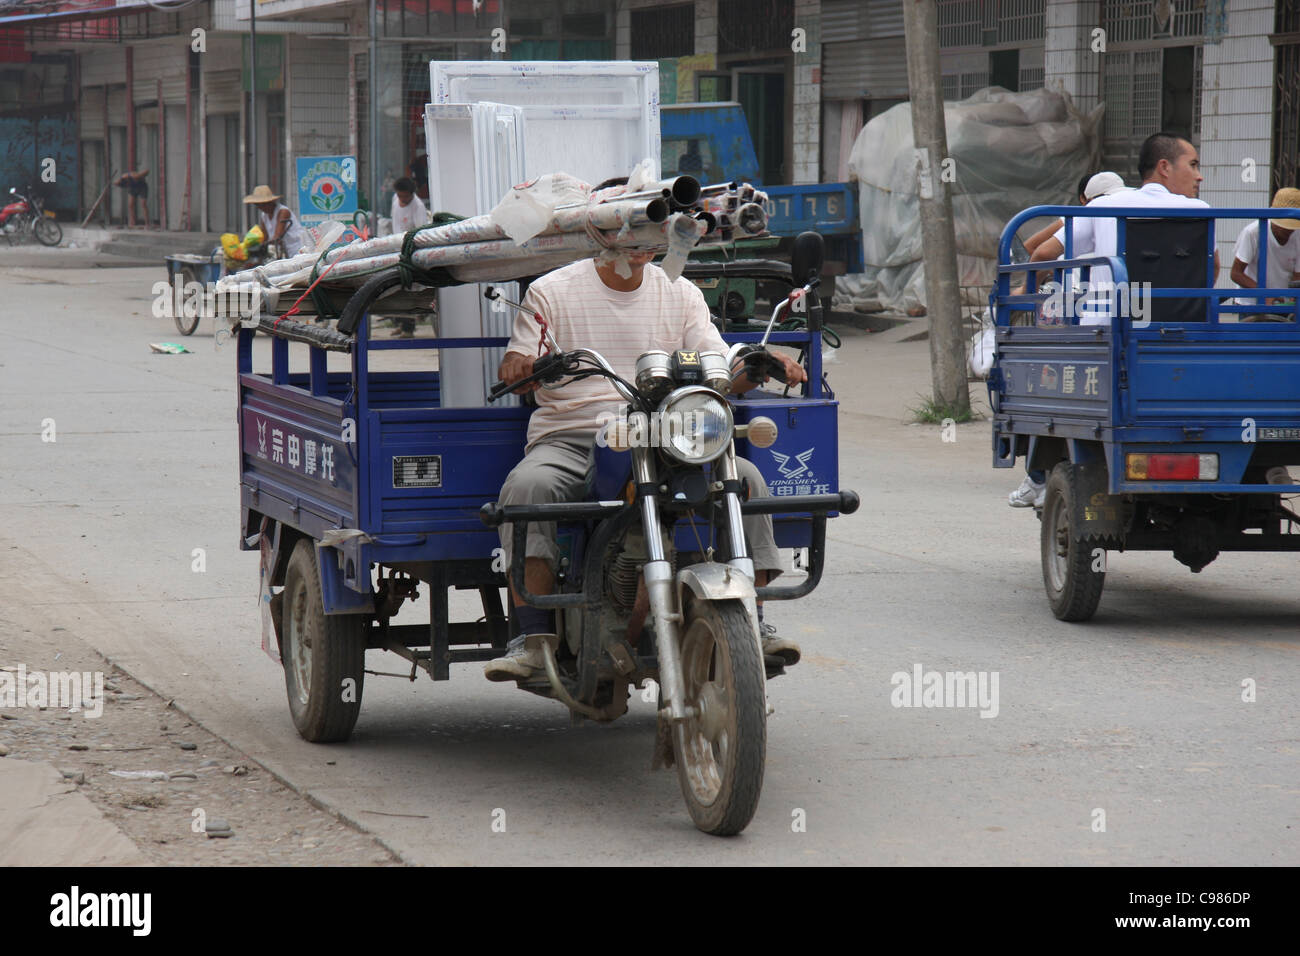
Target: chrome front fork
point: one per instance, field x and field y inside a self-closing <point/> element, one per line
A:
<point x="741" y="560"/>
<point x="661" y="586"/>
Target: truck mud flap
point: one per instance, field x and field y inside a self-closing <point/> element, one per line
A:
<point x="1096" y="513"/>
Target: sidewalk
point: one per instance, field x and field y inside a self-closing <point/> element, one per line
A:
<point x="145" y="244"/>
<point x="45" y="821"/>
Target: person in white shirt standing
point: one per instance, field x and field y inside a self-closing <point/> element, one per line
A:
<point x="1283" y="256"/>
<point x="408" y="212"/>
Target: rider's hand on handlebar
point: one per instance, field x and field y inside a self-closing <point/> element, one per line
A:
<point x="794" y="373"/>
<point x="515" y="367"/>
<point x="754" y="370"/>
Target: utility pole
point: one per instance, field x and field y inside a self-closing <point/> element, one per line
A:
<point x="938" y="237"/>
<point x="372" y="131"/>
<point x="252" y="106"/>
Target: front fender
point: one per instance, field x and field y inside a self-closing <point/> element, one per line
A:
<point x="714" y="582"/>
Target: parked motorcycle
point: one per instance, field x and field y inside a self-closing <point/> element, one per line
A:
<point x="26" y="215"/>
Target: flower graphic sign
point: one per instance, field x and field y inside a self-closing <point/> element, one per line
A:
<point x="327" y="188"/>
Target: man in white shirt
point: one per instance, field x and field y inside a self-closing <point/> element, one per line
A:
<point x="1171" y="176"/>
<point x="408" y="212"/>
<point x="590" y="305"/>
<point x="1283" y="256"/>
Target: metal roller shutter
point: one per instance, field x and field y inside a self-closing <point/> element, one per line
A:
<point x="168" y="62"/>
<point x="224" y="91"/>
<point x="847" y="20"/>
<point x="117" y="106"/>
<point x="864" y="68"/>
<point x="102" y="66"/>
<point x="91" y="109"/>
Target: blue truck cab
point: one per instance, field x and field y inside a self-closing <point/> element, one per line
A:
<point x="1172" y="426"/>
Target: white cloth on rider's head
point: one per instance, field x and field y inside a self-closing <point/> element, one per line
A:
<point x="294" y="238"/>
<point x="583" y="312"/>
<point x="1099" y="236"/>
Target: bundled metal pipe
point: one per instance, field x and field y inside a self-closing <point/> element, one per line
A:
<point x="478" y="248"/>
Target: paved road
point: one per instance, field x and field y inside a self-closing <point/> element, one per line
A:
<point x="1137" y="714"/>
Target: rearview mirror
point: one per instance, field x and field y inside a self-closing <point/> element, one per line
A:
<point x="807" y="257"/>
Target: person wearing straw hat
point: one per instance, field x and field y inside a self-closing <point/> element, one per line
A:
<point x="1283" y="256"/>
<point x="277" y="220"/>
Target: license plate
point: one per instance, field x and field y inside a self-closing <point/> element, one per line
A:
<point x="1279" y="434"/>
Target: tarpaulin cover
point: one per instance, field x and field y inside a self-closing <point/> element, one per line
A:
<point x="1009" y="151"/>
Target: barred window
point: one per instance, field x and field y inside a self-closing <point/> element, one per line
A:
<point x="1019" y="20"/>
<point x="1127" y="21"/>
<point x="965" y="23"/>
<point x="748" y="25"/>
<point x="961" y="23"/>
<point x="663" y="32"/>
<point x="1031" y="79"/>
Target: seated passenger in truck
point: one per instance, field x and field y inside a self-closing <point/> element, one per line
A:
<point x="1171" y="176"/>
<point x="1283" y="257"/>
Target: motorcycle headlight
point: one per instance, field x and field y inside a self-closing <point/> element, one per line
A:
<point x="696" y="425"/>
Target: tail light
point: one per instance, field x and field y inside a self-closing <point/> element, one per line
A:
<point x="1181" y="467"/>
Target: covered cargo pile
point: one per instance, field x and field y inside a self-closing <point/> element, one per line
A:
<point x="1008" y="151"/>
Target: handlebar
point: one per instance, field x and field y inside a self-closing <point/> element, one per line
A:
<point x="555" y="365"/>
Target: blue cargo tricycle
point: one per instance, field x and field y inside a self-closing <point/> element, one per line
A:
<point x="358" y="485"/>
<point x="1172" y="425"/>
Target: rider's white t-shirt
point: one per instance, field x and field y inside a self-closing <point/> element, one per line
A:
<point x="583" y="312"/>
<point x="1100" y="237"/>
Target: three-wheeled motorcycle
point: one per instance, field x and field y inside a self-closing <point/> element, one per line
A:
<point x="356" y="486"/>
<point x="1170" y="427"/>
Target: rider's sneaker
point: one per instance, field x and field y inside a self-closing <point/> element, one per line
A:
<point x="1030" y="494"/>
<point x="781" y="648"/>
<point x="517" y="663"/>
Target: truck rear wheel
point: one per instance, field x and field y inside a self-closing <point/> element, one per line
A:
<point x="324" y="655"/>
<point x="1069" y="576"/>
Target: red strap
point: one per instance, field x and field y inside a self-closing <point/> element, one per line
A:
<point x="541" y="335"/>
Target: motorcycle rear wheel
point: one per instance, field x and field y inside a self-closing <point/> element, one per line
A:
<point x="721" y="751"/>
<point x="48" y="232"/>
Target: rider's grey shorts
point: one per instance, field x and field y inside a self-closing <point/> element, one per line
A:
<point x="558" y="468"/>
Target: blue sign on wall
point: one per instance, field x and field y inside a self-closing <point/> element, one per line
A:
<point x="327" y="188"/>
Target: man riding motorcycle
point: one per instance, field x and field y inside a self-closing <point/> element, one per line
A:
<point x="589" y="304"/>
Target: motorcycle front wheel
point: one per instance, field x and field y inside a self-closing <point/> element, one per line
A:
<point x="48" y="232"/>
<point x="721" y="750"/>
